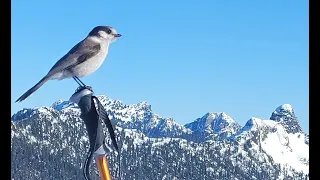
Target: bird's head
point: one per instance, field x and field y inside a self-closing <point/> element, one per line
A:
<point x="105" y="32"/>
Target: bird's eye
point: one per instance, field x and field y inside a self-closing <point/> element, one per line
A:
<point x="109" y="31"/>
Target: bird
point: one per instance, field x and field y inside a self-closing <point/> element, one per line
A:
<point x="82" y="60"/>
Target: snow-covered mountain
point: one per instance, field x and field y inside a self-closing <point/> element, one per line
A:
<point x="154" y="147"/>
<point x="213" y="125"/>
<point x="140" y="116"/>
<point x="285" y="115"/>
<point x="270" y="138"/>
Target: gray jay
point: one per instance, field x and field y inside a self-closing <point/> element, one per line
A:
<point x="83" y="59"/>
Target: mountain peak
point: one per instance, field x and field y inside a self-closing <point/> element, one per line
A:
<point x="144" y="105"/>
<point x="27" y="113"/>
<point x="257" y="124"/>
<point x="285" y="115"/>
<point x="214" y="115"/>
<point x="214" y="123"/>
<point x="285" y="108"/>
<point x="61" y="104"/>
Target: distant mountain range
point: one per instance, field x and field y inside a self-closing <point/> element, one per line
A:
<point x="51" y="143"/>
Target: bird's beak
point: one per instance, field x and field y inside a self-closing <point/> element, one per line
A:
<point x="117" y="35"/>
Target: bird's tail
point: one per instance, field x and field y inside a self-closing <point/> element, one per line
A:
<point x="33" y="89"/>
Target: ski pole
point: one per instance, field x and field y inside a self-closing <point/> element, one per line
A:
<point x="103" y="167"/>
<point x="91" y="117"/>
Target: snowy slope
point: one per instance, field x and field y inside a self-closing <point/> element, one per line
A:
<point x="270" y="136"/>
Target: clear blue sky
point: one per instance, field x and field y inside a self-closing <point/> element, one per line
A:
<point x="185" y="58"/>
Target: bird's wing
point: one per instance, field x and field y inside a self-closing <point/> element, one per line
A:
<point x="78" y="54"/>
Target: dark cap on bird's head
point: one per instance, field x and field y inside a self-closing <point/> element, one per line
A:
<point x="108" y="30"/>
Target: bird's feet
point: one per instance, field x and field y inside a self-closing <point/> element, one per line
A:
<point x="89" y="88"/>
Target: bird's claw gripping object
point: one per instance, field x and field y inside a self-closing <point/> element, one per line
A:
<point x="92" y="113"/>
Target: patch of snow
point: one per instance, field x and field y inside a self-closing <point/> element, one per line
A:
<point x="32" y="139"/>
<point x="294" y="152"/>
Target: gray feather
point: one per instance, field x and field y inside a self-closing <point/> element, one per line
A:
<point x="33" y="89"/>
<point x="79" y="53"/>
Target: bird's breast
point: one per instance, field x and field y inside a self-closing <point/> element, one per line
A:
<point x="90" y="65"/>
